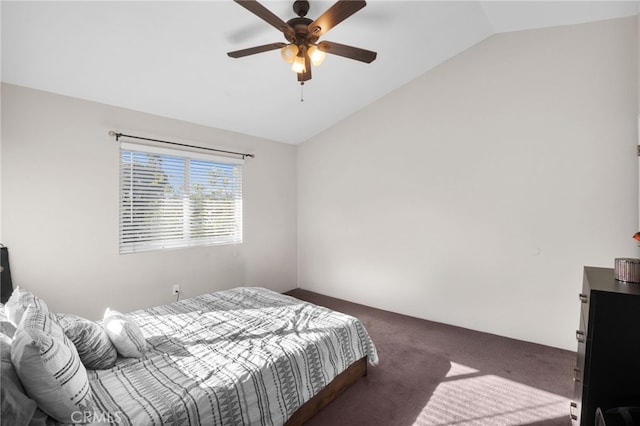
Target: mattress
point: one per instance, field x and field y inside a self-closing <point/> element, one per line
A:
<point x="246" y="356"/>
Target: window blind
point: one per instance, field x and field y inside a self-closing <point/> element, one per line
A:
<point x="171" y="198"/>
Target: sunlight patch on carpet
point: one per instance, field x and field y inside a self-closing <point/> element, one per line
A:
<point x="460" y="370"/>
<point x="467" y="397"/>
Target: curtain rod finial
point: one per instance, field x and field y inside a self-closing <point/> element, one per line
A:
<point x="114" y="134"/>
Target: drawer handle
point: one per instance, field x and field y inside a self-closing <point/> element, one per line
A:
<point x="583" y="298"/>
<point x="573" y="406"/>
<point x="580" y="336"/>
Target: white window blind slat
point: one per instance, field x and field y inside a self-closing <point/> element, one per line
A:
<point x="171" y="198"/>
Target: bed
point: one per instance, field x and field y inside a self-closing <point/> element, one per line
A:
<point x="245" y="356"/>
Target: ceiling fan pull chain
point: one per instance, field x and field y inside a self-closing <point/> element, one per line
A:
<point x="302" y="91"/>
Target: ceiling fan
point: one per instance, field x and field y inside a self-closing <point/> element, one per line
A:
<point x="302" y="34"/>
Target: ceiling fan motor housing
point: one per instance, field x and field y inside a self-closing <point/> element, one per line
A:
<point x="300" y="26"/>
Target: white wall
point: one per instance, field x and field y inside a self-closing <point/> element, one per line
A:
<point x="0" y="157"/>
<point x="475" y="194"/>
<point x="60" y="209"/>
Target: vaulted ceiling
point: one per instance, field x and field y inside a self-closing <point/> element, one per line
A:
<point x="169" y="58"/>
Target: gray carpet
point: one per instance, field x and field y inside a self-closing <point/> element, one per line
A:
<point x="436" y="374"/>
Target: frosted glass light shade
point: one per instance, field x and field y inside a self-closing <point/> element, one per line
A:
<point x="316" y="55"/>
<point x="289" y="53"/>
<point x="298" y="65"/>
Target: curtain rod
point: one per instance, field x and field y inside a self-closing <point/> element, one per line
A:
<point x="119" y="135"/>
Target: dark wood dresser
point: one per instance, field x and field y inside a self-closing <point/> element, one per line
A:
<point x="607" y="373"/>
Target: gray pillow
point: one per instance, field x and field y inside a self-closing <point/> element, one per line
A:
<point x="93" y="344"/>
<point x="17" y="407"/>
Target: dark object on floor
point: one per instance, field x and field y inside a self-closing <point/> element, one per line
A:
<point x="621" y="416"/>
<point x="6" y="286"/>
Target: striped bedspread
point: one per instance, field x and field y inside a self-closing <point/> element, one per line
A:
<point x="246" y="356"/>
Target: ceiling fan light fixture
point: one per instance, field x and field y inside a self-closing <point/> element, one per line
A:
<point x="298" y="65"/>
<point x="289" y="53"/>
<point x="316" y="55"/>
<point x="302" y="49"/>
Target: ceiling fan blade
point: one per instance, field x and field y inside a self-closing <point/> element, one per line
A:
<point x="334" y="15"/>
<point x="350" y="52"/>
<point x="256" y="49"/>
<point x="266" y="15"/>
<point x="304" y="76"/>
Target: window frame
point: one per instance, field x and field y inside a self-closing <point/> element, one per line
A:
<point x="132" y="241"/>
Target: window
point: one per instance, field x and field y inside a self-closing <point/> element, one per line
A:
<point x="171" y="198"/>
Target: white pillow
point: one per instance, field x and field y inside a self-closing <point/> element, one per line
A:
<point x="124" y="334"/>
<point x="16" y="305"/>
<point x="6" y="327"/>
<point x="48" y="365"/>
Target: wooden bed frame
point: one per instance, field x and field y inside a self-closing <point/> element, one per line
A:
<point x="334" y="389"/>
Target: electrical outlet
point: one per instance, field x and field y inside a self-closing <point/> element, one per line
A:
<point x="176" y="289"/>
